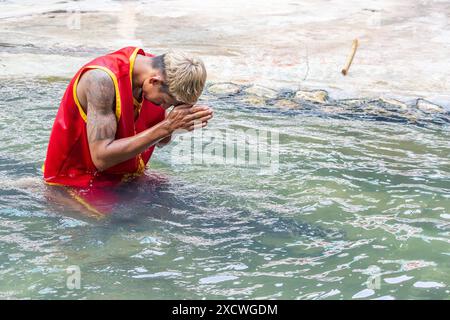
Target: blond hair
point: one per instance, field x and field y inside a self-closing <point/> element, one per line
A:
<point x="185" y="76"/>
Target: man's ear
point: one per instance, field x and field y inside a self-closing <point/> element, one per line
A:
<point x="155" y="80"/>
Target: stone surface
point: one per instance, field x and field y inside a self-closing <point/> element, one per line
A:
<point x="317" y="96"/>
<point x="286" y="104"/>
<point x="400" y="106"/>
<point x="260" y="91"/>
<point x="224" y="88"/>
<point x="254" y="100"/>
<point x="353" y="102"/>
<point x="373" y="109"/>
<point x="334" y="109"/>
<point x="428" y="107"/>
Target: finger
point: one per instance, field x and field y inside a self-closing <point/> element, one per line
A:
<point x="198" y="126"/>
<point x="183" y="112"/>
<point x="200" y="108"/>
<point x="197" y="121"/>
<point x="179" y="110"/>
<point x="183" y="106"/>
<point x="198" y="115"/>
<point x="203" y="119"/>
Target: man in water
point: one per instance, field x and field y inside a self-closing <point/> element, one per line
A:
<point x="113" y="113"/>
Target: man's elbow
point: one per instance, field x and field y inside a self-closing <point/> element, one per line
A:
<point x="100" y="163"/>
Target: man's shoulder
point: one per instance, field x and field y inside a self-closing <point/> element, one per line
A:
<point x="96" y="87"/>
<point x="97" y="77"/>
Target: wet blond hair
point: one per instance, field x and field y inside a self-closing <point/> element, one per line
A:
<point x="185" y="75"/>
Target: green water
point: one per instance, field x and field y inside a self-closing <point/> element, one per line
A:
<point x="359" y="197"/>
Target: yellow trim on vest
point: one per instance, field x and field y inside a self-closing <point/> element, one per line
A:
<point x="77" y="102"/>
<point x="137" y="105"/>
<point x="140" y="170"/>
<point x="54" y="184"/>
<point x="116" y="87"/>
<point x="96" y="214"/>
<point x="132" y="60"/>
<point x="50" y="183"/>
<point x="133" y="56"/>
<point x="141" y="167"/>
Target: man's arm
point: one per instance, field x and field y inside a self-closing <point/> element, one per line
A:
<point x="166" y="140"/>
<point x="102" y="126"/>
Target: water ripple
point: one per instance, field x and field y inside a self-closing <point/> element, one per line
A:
<point x="362" y="194"/>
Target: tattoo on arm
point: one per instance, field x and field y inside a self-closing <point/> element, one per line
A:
<point x="100" y="126"/>
<point x="101" y="120"/>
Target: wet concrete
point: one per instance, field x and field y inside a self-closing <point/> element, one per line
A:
<point x="403" y="53"/>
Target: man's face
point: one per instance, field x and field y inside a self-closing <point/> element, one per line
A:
<point x="156" y="92"/>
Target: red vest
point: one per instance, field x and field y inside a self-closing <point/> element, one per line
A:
<point x="68" y="160"/>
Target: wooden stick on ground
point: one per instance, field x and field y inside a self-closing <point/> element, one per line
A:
<point x="350" y="58"/>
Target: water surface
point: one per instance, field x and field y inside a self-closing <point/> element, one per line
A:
<point x="362" y="192"/>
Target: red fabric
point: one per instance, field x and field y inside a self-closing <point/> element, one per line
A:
<point x="99" y="202"/>
<point x="68" y="160"/>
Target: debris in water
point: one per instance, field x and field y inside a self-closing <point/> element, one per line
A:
<point x="350" y="58"/>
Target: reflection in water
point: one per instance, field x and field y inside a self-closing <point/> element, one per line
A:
<point x="361" y="193"/>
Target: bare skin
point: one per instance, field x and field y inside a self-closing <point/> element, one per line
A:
<point x="96" y="91"/>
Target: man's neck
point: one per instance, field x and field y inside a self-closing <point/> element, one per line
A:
<point x="141" y="71"/>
